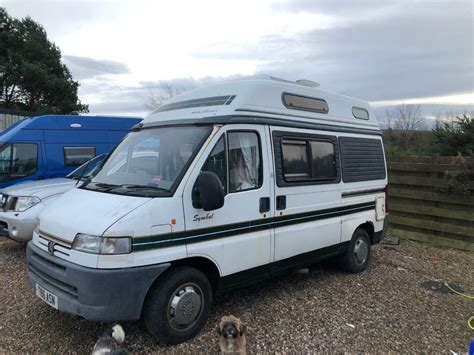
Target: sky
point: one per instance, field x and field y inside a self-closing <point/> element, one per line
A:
<point x="386" y="52"/>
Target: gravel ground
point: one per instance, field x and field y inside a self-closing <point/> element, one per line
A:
<point x="383" y="309"/>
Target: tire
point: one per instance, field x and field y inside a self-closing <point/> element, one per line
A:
<point x="178" y="305"/>
<point x="356" y="258"/>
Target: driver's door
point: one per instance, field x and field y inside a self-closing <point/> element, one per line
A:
<point x="236" y="236"/>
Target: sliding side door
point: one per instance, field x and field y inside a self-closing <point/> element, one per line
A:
<point x="307" y="195"/>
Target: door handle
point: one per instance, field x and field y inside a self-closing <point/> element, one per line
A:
<point x="281" y="202"/>
<point x="264" y="204"/>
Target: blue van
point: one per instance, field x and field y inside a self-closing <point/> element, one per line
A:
<point x="52" y="146"/>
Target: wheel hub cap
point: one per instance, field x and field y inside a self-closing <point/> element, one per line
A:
<point x="361" y="251"/>
<point x="185" y="306"/>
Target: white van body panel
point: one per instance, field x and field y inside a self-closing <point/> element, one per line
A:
<point x="87" y="212"/>
<point x="151" y="219"/>
<point x="245" y="250"/>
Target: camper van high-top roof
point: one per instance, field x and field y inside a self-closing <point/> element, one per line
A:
<point x="269" y="97"/>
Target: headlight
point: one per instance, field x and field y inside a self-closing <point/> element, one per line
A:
<point x="25" y="202"/>
<point x="102" y="245"/>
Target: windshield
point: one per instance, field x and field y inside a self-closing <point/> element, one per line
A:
<point x="18" y="160"/>
<point x="87" y="169"/>
<point x="149" y="162"/>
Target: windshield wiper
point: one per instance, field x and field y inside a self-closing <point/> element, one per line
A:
<point x="142" y="187"/>
<point x="104" y="187"/>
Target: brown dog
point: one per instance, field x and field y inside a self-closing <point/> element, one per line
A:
<point x="232" y="336"/>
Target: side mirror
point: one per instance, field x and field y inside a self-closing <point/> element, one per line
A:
<point x="210" y="192"/>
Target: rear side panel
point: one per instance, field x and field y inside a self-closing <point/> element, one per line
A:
<point x="362" y="159"/>
<point x="364" y="177"/>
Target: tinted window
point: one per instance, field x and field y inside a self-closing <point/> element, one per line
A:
<point x="295" y="160"/>
<point x="78" y="155"/>
<point x="24" y="158"/>
<point x="216" y="162"/>
<point x="244" y="161"/>
<point x="18" y="160"/>
<point x="304" y="103"/>
<point x="5" y="159"/>
<point x="323" y="162"/>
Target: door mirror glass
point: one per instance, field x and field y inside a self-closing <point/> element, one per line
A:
<point x="210" y="191"/>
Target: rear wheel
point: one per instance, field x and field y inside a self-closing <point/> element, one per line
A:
<point x="178" y="305"/>
<point x="356" y="258"/>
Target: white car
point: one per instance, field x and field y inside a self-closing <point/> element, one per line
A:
<point x="20" y="204"/>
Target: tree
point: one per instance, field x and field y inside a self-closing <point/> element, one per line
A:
<point x="405" y="120"/>
<point x="32" y="76"/>
<point x="455" y="137"/>
<point x="165" y="91"/>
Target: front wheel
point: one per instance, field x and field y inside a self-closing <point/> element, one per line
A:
<point x="178" y="306"/>
<point x="356" y="258"/>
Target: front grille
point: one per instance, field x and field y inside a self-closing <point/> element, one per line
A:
<point x="60" y="246"/>
<point x="7" y="202"/>
<point x="3" y="199"/>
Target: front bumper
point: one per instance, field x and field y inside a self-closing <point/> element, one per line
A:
<point x="378" y="236"/>
<point x="104" y="295"/>
<point x="18" y="226"/>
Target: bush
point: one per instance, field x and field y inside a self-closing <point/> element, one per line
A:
<point x="456" y="137"/>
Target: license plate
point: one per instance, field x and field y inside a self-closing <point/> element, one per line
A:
<point x="47" y="296"/>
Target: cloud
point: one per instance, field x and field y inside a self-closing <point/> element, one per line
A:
<point x="61" y="17"/>
<point x="421" y="50"/>
<point x="381" y="51"/>
<point x="85" y="68"/>
<point x="105" y="96"/>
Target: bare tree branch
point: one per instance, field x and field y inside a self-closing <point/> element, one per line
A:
<point x="164" y="92"/>
<point x="406" y="120"/>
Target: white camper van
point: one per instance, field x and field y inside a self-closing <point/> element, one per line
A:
<point x="220" y="187"/>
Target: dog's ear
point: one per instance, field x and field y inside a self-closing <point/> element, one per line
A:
<point x="243" y="329"/>
<point x="219" y="332"/>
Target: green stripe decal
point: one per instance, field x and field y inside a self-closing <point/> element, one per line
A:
<point x="204" y="234"/>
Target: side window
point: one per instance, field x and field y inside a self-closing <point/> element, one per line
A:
<point x="245" y="171"/>
<point x="24" y="159"/>
<point x="323" y="160"/>
<point x="307" y="160"/>
<point x="5" y="159"/>
<point x="78" y="155"/>
<point x="295" y="160"/>
<point x="216" y="162"/>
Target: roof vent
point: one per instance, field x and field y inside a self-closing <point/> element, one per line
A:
<point x="308" y="83"/>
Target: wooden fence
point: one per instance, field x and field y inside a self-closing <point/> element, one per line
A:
<point x="423" y="205"/>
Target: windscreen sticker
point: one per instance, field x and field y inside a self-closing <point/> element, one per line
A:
<point x="155" y="181"/>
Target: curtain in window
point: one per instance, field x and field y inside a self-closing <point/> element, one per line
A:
<point x="243" y="160"/>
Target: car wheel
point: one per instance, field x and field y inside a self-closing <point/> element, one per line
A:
<point x="178" y="305"/>
<point x="356" y="258"/>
